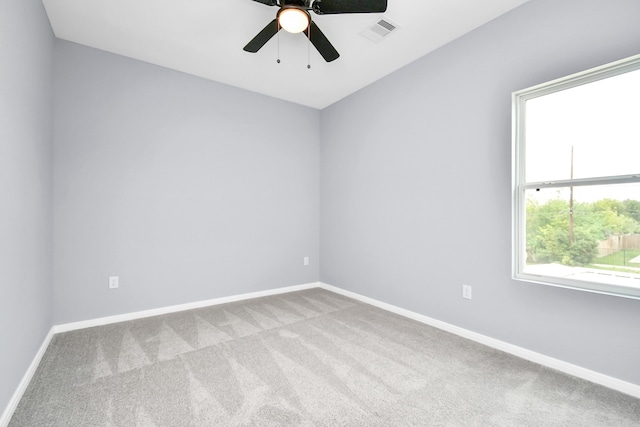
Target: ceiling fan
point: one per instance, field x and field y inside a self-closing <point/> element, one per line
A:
<point x="293" y="16"/>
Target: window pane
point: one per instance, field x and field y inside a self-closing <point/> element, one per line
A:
<point x="599" y="242"/>
<point x="598" y="121"/>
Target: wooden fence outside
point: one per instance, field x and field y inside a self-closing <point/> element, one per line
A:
<point x="618" y="243"/>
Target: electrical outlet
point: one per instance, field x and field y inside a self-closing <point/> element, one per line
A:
<point x="305" y="260"/>
<point x="466" y="291"/>
<point x="114" y="282"/>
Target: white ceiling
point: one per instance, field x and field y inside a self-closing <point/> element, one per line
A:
<point x="205" y="38"/>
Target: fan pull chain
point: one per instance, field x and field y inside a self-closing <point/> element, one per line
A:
<point x="278" y="60"/>
<point x="309" y="47"/>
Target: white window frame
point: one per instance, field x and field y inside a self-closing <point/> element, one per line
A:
<point x="519" y="184"/>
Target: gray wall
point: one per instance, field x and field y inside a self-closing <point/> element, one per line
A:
<point x="184" y="188"/>
<point x="25" y="187"/>
<point x="416" y="185"/>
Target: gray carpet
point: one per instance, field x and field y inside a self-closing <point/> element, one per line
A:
<point x="309" y="358"/>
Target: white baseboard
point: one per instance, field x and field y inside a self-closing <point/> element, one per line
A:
<point x="532" y="356"/>
<point x="65" y="327"/>
<point x="17" y="395"/>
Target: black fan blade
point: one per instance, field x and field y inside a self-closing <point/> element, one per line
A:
<point x="322" y="43"/>
<point x="263" y="36"/>
<point x="267" y="2"/>
<point x="327" y="7"/>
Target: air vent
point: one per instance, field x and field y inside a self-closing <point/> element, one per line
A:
<point x="380" y="30"/>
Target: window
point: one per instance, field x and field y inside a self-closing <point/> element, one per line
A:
<point x="576" y="170"/>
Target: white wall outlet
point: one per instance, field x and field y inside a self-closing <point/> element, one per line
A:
<point x="466" y="291"/>
<point x="114" y="282"/>
<point x="305" y="260"/>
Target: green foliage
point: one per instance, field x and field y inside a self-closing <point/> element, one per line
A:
<point x="611" y="217"/>
<point x="631" y="209"/>
<point x="583" y="250"/>
<point x="548" y="235"/>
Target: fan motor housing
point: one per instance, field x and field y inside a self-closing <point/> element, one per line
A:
<point x="300" y="3"/>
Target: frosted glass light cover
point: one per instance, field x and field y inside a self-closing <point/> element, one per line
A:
<point x="293" y="20"/>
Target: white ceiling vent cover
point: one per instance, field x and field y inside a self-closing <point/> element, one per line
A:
<point x="380" y="29"/>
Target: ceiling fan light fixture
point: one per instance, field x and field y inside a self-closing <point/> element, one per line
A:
<point x="293" y="20"/>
